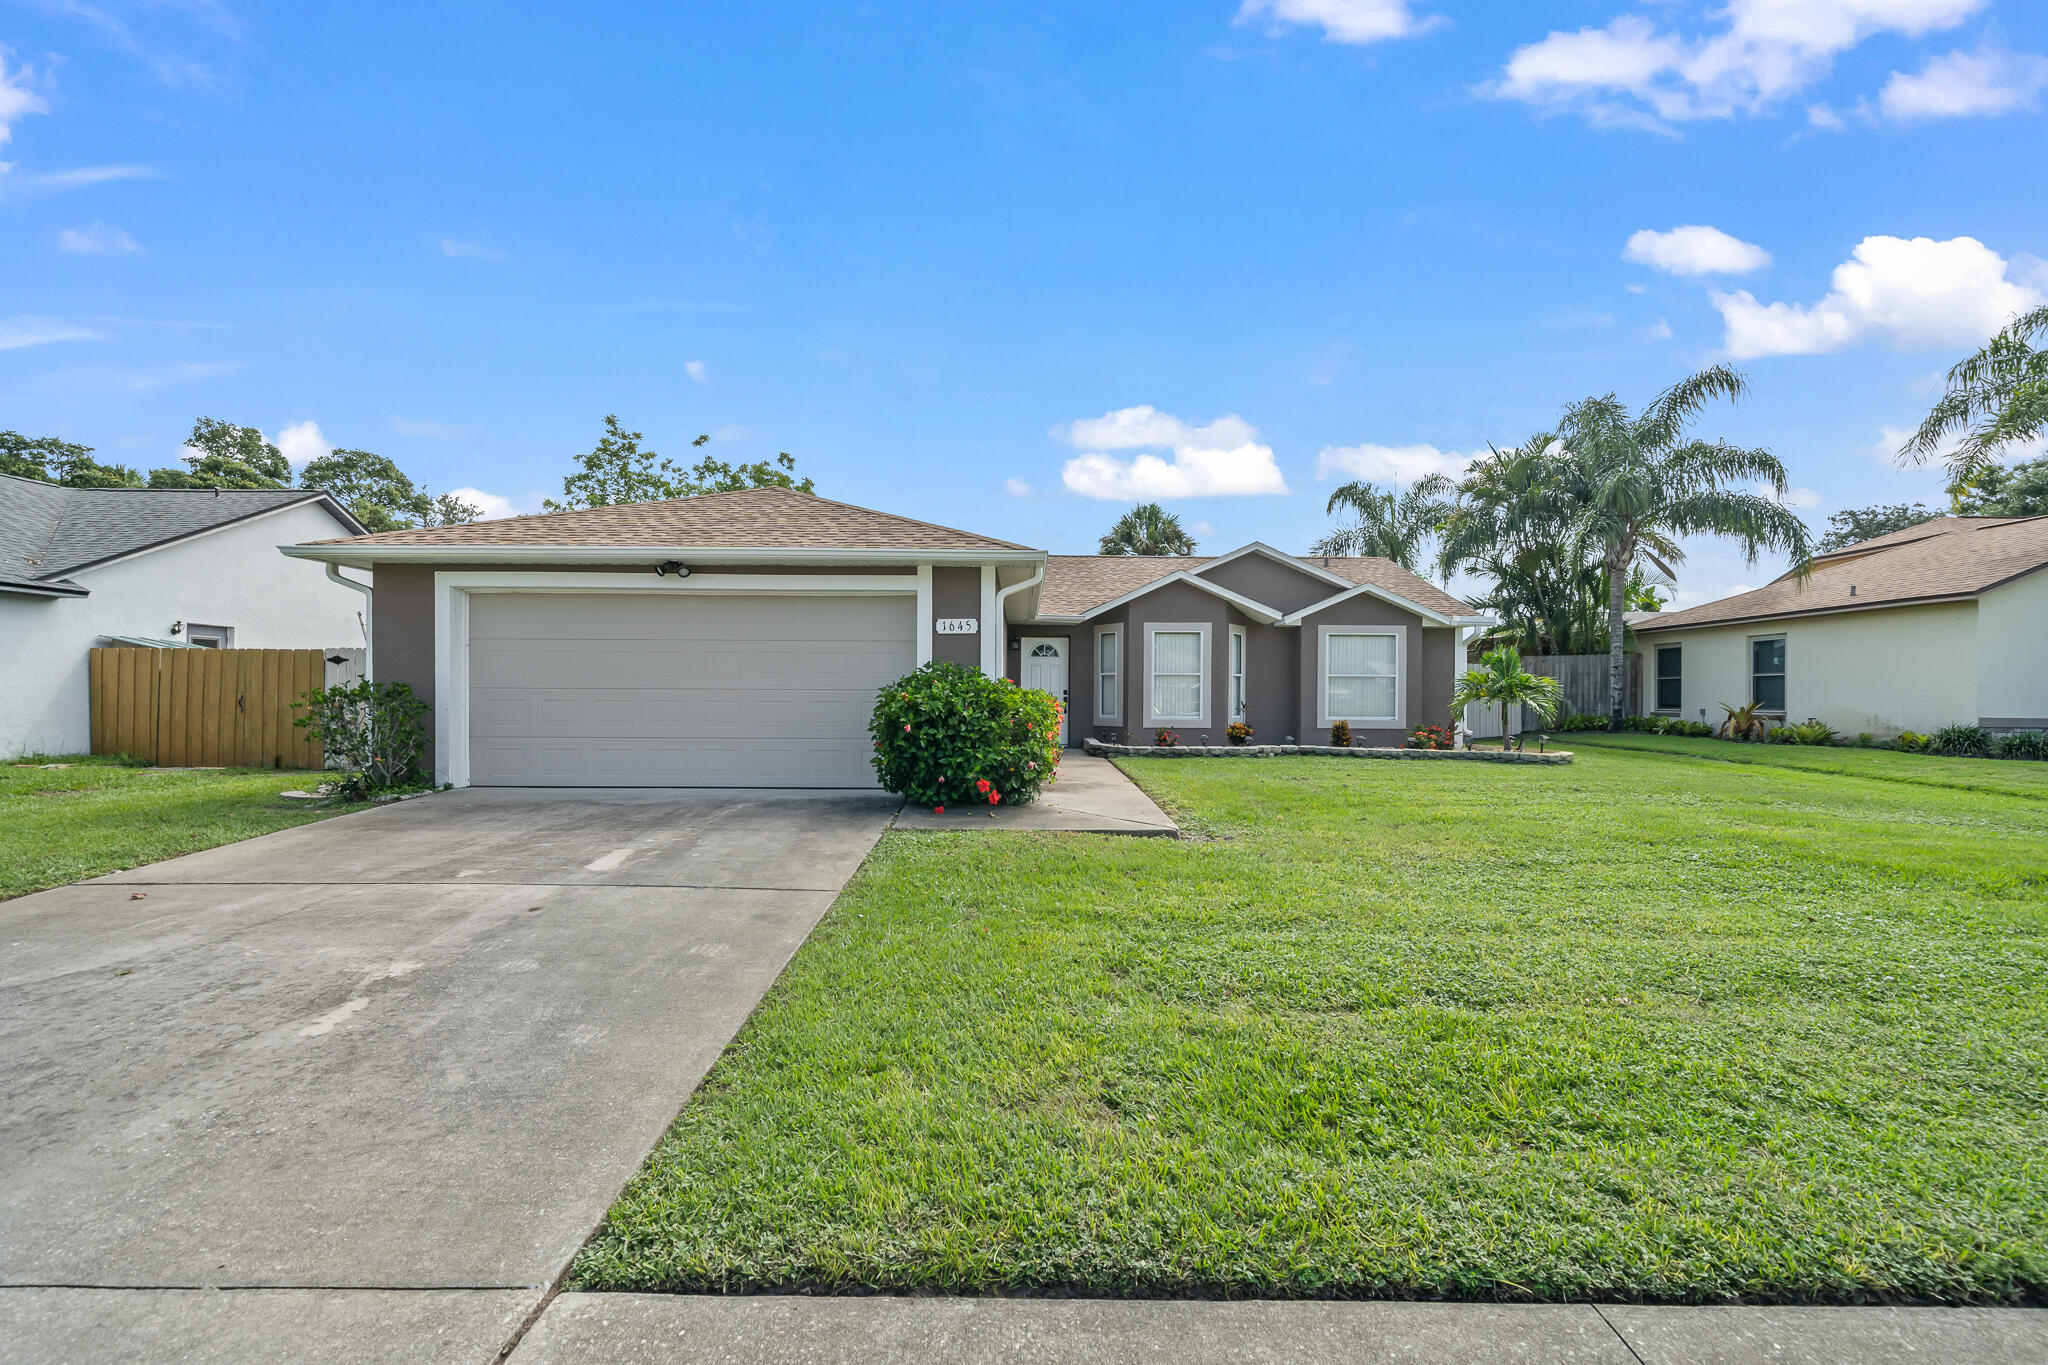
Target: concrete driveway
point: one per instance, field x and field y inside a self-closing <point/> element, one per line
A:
<point x="418" y="1049"/>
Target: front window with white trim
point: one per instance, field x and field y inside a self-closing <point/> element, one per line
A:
<point x="1176" y="673"/>
<point x="1362" y="676"/>
<point x="1237" y="673"/>
<point x="1109" y="689"/>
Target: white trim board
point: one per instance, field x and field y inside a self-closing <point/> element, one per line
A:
<point x="1258" y="611"/>
<point x="453" y="587"/>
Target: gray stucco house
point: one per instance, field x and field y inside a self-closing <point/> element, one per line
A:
<point x="738" y="639"/>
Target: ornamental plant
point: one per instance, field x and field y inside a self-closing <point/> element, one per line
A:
<point x="946" y="734"/>
<point x="1239" y="732"/>
<point x="373" y="731"/>
<point x="1340" y="734"/>
<point x="1166" y="739"/>
<point x="1431" y="737"/>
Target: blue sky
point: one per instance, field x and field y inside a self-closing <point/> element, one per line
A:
<point x="1012" y="268"/>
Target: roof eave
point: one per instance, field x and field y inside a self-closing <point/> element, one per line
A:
<point x="1258" y="611"/>
<point x="1756" y="618"/>
<point x="1391" y="598"/>
<point x="366" y="555"/>
<point x="51" y="589"/>
<point x="1278" y="556"/>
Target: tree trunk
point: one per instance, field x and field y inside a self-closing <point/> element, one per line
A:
<point x="1503" y="727"/>
<point x="1617" y="582"/>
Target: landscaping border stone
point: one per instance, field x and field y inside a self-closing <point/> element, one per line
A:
<point x="1097" y="747"/>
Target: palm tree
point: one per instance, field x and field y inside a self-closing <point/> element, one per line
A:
<point x="1639" y="485"/>
<point x="1501" y="678"/>
<point x="1385" y="525"/>
<point x="1997" y="397"/>
<point x="1147" y="529"/>
<point x="1516" y="523"/>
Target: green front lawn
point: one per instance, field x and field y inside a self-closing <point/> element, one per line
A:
<point x="62" y="825"/>
<point x="1653" y="1025"/>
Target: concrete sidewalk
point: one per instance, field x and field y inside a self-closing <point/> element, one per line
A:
<point x="596" y="1329"/>
<point x="1090" y="796"/>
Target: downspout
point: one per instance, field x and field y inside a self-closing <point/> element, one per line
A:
<point x="1000" y="624"/>
<point x="334" y="572"/>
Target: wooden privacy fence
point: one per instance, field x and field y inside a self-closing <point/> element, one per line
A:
<point x="206" y="708"/>
<point x="1584" y="677"/>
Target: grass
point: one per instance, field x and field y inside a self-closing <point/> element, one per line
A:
<point x="1652" y="1026"/>
<point x="62" y="825"/>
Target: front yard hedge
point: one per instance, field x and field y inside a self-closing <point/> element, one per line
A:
<point x="945" y="734"/>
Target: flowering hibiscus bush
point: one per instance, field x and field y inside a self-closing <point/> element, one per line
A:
<point x="948" y="735"/>
<point x="1431" y="737"/>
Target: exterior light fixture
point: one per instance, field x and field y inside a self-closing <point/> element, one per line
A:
<point x="671" y="568"/>
<point x="177" y="627"/>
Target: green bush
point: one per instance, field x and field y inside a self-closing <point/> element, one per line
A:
<point x="374" y="732"/>
<point x="1961" y="741"/>
<point x="1812" y="731"/>
<point x="1431" y="737"/>
<point x="2031" y="744"/>
<point x="951" y="734"/>
<point x="1912" y="741"/>
<point x="1781" y="734"/>
<point x="1340" y="734"/>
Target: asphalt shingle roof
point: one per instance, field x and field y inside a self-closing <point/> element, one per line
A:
<point x="755" y="518"/>
<point x="1076" y="584"/>
<point x="48" y="532"/>
<point x="1948" y="558"/>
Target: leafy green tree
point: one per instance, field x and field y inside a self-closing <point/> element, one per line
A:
<point x="226" y="456"/>
<point x="1644" y="594"/>
<point x="54" y="461"/>
<point x="1147" y="529"/>
<point x="1387" y="525"/>
<point x="1995" y="398"/>
<point x="1500" y="679"/>
<point x="1515" y="525"/>
<point x="1637" y="485"/>
<point x="618" y="471"/>
<point x="2016" y="490"/>
<point x="1853" y="525"/>
<point x="379" y="494"/>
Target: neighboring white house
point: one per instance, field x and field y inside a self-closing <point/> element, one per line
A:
<point x="81" y="567"/>
<point x="1940" y="624"/>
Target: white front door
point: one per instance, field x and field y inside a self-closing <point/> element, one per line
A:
<point x="1045" y="668"/>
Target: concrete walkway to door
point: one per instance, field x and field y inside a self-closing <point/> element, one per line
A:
<point x="359" y="1090"/>
<point x="1090" y="796"/>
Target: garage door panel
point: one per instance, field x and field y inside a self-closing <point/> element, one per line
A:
<point x="624" y="689"/>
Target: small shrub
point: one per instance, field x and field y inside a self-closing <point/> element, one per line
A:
<point x="1579" y="720"/>
<point x="1239" y="732"/>
<point x="1746" y="723"/>
<point x="372" y="731"/>
<point x="1340" y="734"/>
<point x="1166" y="739"/>
<point x="1912" y="742"/>
<point x="1697" y="729"/>
<point x="2028" y="744"/>
<point x="947" y="733"/>
<point x="1864" y="739"/>
<point x="1431" y="737"/>
<point x="1781" y="734"/>
<point x="1811" y="731"/>
<point x="1961" y="741"/>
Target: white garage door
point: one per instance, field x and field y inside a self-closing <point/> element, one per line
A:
<point x="646" y="690"/>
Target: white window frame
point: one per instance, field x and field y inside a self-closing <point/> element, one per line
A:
<point x="1657" y="679"/>
<point x="1240" y="664"/>
<point x="1152" y="717"/>
<point x="1114" y="713"/>
<point x="1397" y="721"/>
<point x="223" y="635"/>
<point x="1784" y="670"/>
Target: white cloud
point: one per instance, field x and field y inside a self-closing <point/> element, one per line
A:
<point x="78" y="178"/>
<point x="1660" y="330"/>
<point x="1342" y="21"/>
<point x="1964" y="85"/>
<point x="22" y="331"/>
<point x="1910" y="293"/>
<point x="1803" y="499"/>
<point x="1401" y="465"/>
<point x="694" y="369"/>
<point x="491" y="505"/>
<point x="17" y="100"/>
<point x="1823" y="117"/>
<point x="302" y="441"/>
<point x="95" y="239"/>
<point x="1017" y="488"/>
<point x="1222" y="459"/>
<point x="457" y="249"/>
<point x="440" y="431"/>
<point x="1759" y="52"/>
<point x="1695" y="249"/>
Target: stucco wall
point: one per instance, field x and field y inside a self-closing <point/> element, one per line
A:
<point x="1426" y="683"/>
<point x="957" y="592"/>
<point x="1269" y="583"/>
<point x="2012" y="654"/>
<point x="230" y="577"/>
<point x="1899" y="668"/>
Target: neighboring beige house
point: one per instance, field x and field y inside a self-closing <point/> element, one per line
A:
<point x="1940" y="624"/>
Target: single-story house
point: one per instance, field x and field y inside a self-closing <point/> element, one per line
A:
<point x="1940" y="624"/>
<point x="738" y="639"/>
<point x="171" y="567"/>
